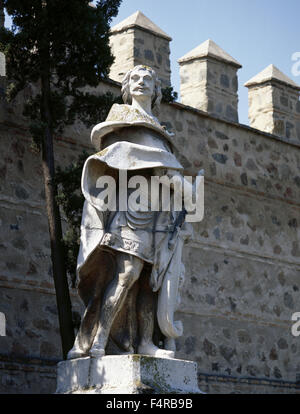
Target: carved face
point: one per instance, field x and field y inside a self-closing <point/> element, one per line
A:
<point x="141" y="83"/>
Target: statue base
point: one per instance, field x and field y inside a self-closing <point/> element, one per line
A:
<point x="127" y="374"/>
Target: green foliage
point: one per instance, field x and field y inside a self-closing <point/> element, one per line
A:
<point x="37" y="125"/>
<point x="92" y="109"/>
<point x="66" y="43"/>
<point x="70" y="199"/>
<point x="169" y="95"/>
<point x="60" y="47"/>
<point x="69" y="37"/>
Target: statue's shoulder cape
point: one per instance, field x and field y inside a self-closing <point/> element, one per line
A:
<point x="121" y="116"/>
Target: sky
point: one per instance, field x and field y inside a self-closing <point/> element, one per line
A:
<point x="256" y="33"/>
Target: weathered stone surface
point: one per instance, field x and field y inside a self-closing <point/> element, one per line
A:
<point x="206" y="74"/>
<point x="273" y="103"/>
<point x="209" y="49"/>
<point x="270" y="73"/>
<point x="127" y="374"/>
<point x="27" y="378"/>
<point x="138" y="41"/>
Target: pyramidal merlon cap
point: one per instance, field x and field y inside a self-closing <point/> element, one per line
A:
<point x="138" y="19"/>
<point x="271" y="73"/>
<point x="209" y="48"/>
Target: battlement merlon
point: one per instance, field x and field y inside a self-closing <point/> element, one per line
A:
<point x="274" y="105"/>
<point x="209" y="80"/>
<point x="138" y="41"/>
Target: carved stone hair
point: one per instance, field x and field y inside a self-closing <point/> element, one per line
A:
<point x="157" y="95"/>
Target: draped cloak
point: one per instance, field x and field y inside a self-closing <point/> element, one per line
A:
<point x="134" y="142"/>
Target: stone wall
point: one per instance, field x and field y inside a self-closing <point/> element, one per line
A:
<point x="243" y="263"/>
<point x="31" y="348"/>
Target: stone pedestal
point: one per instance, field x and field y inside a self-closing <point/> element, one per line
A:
<point x="127" y="374"/>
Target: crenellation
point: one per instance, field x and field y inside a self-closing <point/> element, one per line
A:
<point x="274" y="103"/>
<point x="122" y="46"/>
<point x="209" y="81"/>
<point x="138" y="41"/>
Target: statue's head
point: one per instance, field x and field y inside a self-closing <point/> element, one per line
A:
<point x="141" y="80"/>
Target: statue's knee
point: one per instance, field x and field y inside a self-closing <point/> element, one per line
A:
<point x="130" y="276"/>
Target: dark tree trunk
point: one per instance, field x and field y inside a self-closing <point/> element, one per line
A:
<point x="54" y="221"/>
<point x="2" y="15"/>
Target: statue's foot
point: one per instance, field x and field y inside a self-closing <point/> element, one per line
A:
<point x="151" y="349"/>
<point x="97" y="351"/>
<point x="75" y="353"/>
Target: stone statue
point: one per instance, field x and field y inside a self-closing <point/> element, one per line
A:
<point x="129" y="264"/>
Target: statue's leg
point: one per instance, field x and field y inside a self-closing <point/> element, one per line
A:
<point x="89" y="323"/>
<point x="128" y="271"/>
<point x="146" y="314"/>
